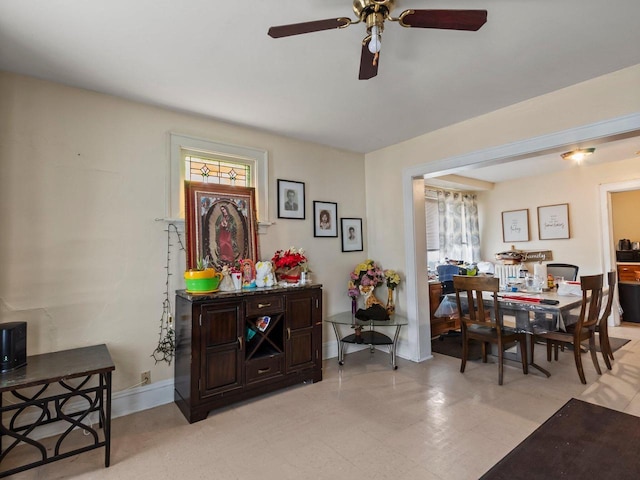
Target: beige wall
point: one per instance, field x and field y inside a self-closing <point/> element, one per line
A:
<point x="579" y="187"/>
<point x="83" y="180"/>
<point x="626" y="220"/>
<point x="603" y="98"/>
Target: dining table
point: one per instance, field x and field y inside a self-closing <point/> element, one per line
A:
<point x="528" y="312"/>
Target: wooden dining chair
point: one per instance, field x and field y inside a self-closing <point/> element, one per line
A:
<point x="584" y="328"/>
<point x="603" y="324"/>
<point x="483" y="322"/>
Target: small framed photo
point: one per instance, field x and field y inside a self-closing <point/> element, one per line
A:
<point x="351" y="233"/>
<point x="291" y="199"/>
<point x="553" y="221"/>
<point x="515" y="226"/>
<point x="325" y="219"/>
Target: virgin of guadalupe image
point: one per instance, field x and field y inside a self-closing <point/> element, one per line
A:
<point x="225" y="234"/>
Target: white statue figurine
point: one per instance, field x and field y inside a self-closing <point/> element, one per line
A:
<point x="264" y="274"/>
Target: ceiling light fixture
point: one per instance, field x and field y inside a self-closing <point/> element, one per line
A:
<point x="375" y="42"/>
<point x="579" y="154"/>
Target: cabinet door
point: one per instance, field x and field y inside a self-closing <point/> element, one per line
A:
<point x="302" y="311"/>
<point x="222" y="344"/>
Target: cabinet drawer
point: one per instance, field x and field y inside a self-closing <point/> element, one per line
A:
<point x="264" y="304"/>
<point x="628" y="273"/>
<point x="264" y="367"/>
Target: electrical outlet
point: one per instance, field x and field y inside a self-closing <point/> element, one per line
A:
<point x="145" y="378"/>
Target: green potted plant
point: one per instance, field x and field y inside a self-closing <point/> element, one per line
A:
<point x="204" y="279"/>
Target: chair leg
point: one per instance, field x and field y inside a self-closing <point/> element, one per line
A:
<point x="594" y="358"/>
<point x="523" y="354"/>
<point x="465" y="353"/>
<point x="549" y="350"/>
<point x="578" y="359"/>
<point x="605" y="344"/>
<point x="604" y="349"/>
<point x="555" y="351"/>
<point x="500" y="363"/>
<point x="484" y="352"/>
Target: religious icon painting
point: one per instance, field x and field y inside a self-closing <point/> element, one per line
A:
<point x="220" y="224"/>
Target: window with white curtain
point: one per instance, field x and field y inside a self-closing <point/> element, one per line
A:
<point x="452" y="226"/>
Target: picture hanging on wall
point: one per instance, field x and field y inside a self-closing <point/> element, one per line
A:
<point x="515" y="226"/>
<point x="553" y="221"/>
<point x="220" y="224"/>
<point x="325" y="219"/>
<point x="351" y="233"/>
<point x="290" y="199"/>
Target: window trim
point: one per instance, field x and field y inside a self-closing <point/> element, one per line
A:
<point x="257" y="159"/>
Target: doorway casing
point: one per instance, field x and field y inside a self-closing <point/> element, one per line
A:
<point x="419" y="331"/>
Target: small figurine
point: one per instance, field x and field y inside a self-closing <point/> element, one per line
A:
<point x="264" y="274"/>
<point x="248" y="273"/>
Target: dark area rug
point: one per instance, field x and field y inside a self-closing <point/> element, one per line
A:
<point x="581" y="440"/>
<point x="451" y="345"/>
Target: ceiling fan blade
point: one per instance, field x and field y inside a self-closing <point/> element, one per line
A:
<point x="308" y="27"/>
<point x="368" y="63"/>
<point x="447" y="19"/>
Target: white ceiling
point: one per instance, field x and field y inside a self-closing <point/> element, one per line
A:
<point x="214" y="58"/>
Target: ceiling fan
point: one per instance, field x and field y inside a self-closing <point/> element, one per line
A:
<point x="374" y="13"/>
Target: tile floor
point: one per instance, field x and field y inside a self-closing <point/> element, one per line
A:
<point x="363" y="420"/>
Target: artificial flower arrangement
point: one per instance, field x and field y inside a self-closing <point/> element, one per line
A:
<point x="393" y="279"/>
<point x="289" y="263"/>
<point x="367" y="273"/>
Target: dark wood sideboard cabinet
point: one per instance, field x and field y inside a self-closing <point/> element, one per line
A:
<point x="223" y="357"/>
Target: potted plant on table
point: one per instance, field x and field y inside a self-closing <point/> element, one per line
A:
<point x="204" y="279"/>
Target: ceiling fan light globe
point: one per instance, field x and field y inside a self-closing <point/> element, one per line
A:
<point x="374" y="43"/>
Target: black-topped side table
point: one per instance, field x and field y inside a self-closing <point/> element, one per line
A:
<point x="43" y="371"/>
<point x="370" y="337"/>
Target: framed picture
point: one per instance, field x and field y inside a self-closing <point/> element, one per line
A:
<point x="553" y="221"/>
<point x="351" y="233"/>
<point x="220" y="224"/>
<point x="290" y="199"/>
<point x="325" y="219"/>
<point x="515" y="226"/>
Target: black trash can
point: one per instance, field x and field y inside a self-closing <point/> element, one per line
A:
<point x="629" y="293"/>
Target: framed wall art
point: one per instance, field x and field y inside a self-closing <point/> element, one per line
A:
<point x="220" y="224"/>
<point x="553" y="221"/>
<point x="351" y="233"/>
<point x="325" y="219"/>
<point x="290" y="199"/>
<point x="515" y="226"/>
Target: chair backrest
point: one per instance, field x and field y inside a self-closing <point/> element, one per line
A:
<point x="477" y="312"/>
<point x="611" y="279"/>
<point x="591" y="286"/>
<point x="566" y="270"/>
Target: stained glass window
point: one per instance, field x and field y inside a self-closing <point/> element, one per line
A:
<point x="200" y="168"/>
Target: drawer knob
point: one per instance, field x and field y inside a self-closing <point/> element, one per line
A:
<point x="264" y="305"/>
<point x="263" y="370"/>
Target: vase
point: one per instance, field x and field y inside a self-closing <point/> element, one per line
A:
<point x="391" y="306"/>
<point x="354" y="305"/>
<point x="289" y="275"/>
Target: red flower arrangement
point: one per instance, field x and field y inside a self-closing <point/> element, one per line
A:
<point x="290" y="258"/>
